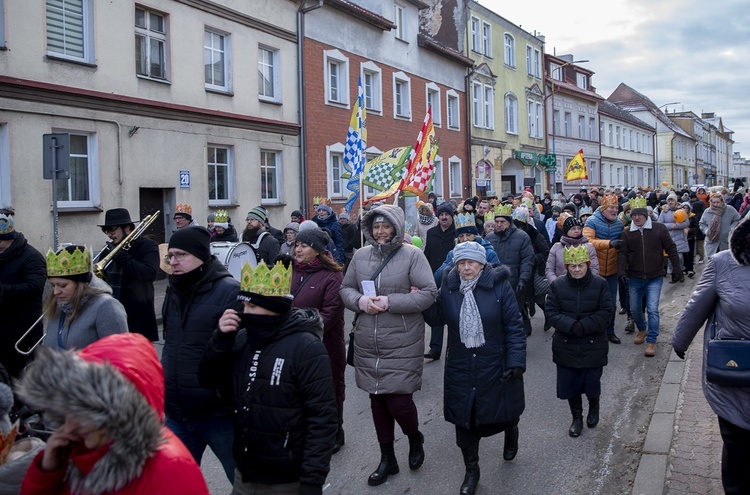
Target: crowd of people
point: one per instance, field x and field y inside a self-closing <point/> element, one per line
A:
<point x="253" y="366"/>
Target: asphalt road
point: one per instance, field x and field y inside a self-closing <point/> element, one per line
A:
<point x="602" y="460"/>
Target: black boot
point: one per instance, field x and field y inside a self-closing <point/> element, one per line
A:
<point x="592" y="418"/>
<point x="388" y="465"/>
<point x="339" y="433"/>
<point x="576" y="408"/>
<point x="510" y="449"/>
<point x="471" y="479"/>
<point x="416" y="450"/>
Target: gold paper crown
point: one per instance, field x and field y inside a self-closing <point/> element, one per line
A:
<point x="183" y="208"/>
<point x="585" y="210"/>
<point x="494" y="201"/>
<point x="64" y="263"/>
<point x="637" y="203"/>
<point x="7" y="225"/>
<point x="529" y="202"/>
<point x="221" y="216"/>
<point x="503" y="210"/>
<point x="276" y="281"/>
<point x="608" y="200"/>
<point x="573" y="255"/>
<point x="464" y="220"/>
<point x="321" y="201"/>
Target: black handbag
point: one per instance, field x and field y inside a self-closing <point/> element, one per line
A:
<point x="350" y="349"/>
<point x="727" y="361"/>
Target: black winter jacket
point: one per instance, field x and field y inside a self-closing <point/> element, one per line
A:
<point x="586" y="300"/>
<point x="189" y="321"/>
<point x="513" y="247"/>
<point x="285" y="411"/>
<point x="473" y="377"/>
<point x="337" y="236"/>
<point x="438" y="244"/>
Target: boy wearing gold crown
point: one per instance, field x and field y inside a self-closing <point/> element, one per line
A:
<point x="579" y="307"/>
<point x="273" y="359"/>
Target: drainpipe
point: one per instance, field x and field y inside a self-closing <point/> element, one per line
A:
<point x="301" y="11"/>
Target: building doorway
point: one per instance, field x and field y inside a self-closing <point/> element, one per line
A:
<point x="150" y="201"/>
<point x="508" y="185"/>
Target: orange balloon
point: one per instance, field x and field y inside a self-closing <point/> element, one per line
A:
<point x="680" y="216"/>
<point x="665" y="183"/>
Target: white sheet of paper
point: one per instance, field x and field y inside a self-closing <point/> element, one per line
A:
<point x="368" y="288"/>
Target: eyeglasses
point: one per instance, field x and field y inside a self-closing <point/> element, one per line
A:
<point x="178" y="256"/>
<point x="109" y="230"/>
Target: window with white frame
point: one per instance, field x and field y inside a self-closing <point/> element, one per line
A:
<point x="510" y="50"/>
<point x="477" y="95"/>
<point x="454" y="119"/>
<point x="433" y="101"/>
<point x="271" y="181"/>
<point x="337" y="77"/>
<point x="630" y="139"/>
<point x="581" y="127"/>
<point x="217" y="54"/>
<point x="556" y="122"/>
<point x="455" y="177"/>
<point x="489" y="107"/>
<point x="601" y="132"/>
<point x="2" y="27"/>
<point x="437" y="177"/>
<point x="82" y="188"/>
<point x="617" y="136"/>
<point x="638" y="142"/>
<point x="399" y="19"/>
<point x="220" y="174"/>
<point x="582" y="81"/>
<point x="533" y="61"/>
<point x="568" y="124"/>
<point x="487" y="39"/>
<point x="150" y="43"/>
<point x="476" y="35"/>
<point x="401" y="95"/>
<point x="372" y="86"/>
<point x="70" y="30"/>
<point x="556" y="71"/>
<point x="532" y="123"/>
<point x="592" y="129"/>
<point x="511" y="113"/>
<point x="5" y="199"/>
<point x="268" y="74"/>
<point x="611" y="135"/>
<point x="538" y="120"/>
<point x="336" y="185"/>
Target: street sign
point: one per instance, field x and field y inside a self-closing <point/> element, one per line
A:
<point x="56" y="156"/>
<point x="184" y="179"/>
<point x="549" y="162"/>
<point x="528" y="158"/>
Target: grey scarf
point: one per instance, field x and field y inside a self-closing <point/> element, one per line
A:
<point x="469" y="320"/>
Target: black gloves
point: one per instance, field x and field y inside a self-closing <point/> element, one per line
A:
<point x="680" y="354"/>
<point x="617" y="243"/>
<point x="577" y="329"/>
<point x="521" y="288"/>
<point x="512" y="373"/>
<point x="623" y="279"/>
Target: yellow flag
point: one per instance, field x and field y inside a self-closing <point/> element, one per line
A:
<point x="576" y="169"/>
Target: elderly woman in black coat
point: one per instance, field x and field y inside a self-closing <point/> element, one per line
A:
<point x="486" y="355"/>
<point x="579" y="307"/>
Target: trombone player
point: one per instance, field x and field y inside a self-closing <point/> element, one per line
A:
<point x="131" y="272"/>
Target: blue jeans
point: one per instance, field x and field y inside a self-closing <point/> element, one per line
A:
<point x="612" y="282"/>
<point x="217" y="433"/>
<point x="651" y="289"/>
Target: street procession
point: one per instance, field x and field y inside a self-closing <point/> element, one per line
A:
<point x="372" y="253"/>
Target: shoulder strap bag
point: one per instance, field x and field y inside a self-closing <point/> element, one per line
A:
<point x="727" y="360"/>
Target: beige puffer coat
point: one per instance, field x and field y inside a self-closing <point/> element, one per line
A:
<point x="389" y="346"/>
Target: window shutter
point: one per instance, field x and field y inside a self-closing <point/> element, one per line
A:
<point x="65" y="25"/>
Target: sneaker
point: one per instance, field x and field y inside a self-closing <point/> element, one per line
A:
<point x="630" y="327"/>
<point x="691" y="274"/>
<point x="650" y="350"/>
<point x="640" y="337"/>
<point x="700" y="261"/>
<point x="623" y="311"/>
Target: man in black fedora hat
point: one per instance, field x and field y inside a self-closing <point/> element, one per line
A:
<point x="132" y="272"/>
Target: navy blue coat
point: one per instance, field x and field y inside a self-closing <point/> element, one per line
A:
<point x="473" y="377"/>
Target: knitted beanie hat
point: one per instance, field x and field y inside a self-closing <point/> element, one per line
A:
<point x="193" y="240"/>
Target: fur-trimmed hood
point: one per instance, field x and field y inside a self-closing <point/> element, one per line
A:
<point x="116" y="383"/>
<point x="739" y="242"/>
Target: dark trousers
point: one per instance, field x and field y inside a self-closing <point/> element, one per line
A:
<point x="389" y="409"/>
<point x="735" y="458"/>
<point x="436" y="339"/>
<point x="687" y="258"/>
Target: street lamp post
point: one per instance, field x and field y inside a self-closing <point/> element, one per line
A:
<point x="657" y="169"/>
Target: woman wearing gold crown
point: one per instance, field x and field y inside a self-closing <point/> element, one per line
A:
<point x="579" y="308"/>
<point x="80" y="309"/>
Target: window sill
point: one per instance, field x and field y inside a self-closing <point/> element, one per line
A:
<point x="269" y="101"/>
<point x="403" y="117"/>
<point x="55" y="58"/>
<point x="273" y="204"/>
<point x="78" y="209"/>
<point x="153" y="79"/>
<point x="222" y="92"/>
<point x="338" y="104"/>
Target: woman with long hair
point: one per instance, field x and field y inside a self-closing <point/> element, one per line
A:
<point x="716" y="222"/>
<point x="80" y="308"/>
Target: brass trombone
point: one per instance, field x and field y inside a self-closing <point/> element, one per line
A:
<point x="101" y="266"/>
<point x="26" y="353"/>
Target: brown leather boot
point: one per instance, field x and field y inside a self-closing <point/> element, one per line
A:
<point x="640" y="337"/>
<point x="650" y="350"/>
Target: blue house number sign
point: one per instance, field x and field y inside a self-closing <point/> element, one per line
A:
<point x="184" y="179"/>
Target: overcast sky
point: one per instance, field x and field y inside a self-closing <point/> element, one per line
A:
<point x="696" y="52"/>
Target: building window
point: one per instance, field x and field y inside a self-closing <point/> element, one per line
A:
<point x="476" y="45"/>
<point x="401" y="95"/>
<point x="268" y="74"/>
<point x="556" y="122"/>
<point x="592" y="127"/>
<point x="556" y="71"/>
<point x="611" y="136"/>
<point x="336" y="185"/>
<point x="581" y="127"/>
<point x="399" y="19"/>
<point x="510" y="50"/>
<point x="487" y="39"/>
<point x="454" y="117"/>
<point x="219" y="175"/>
<point x="2" y="34"/>
<point x="533" y="61"/>
<point x="617" y="136"/>
<point x="5" y="199"/>
<point x="70" y="30"/>
<point x="511" y="114"/>
<point x="630" y="139"/>
<point x="433" y="101"/>
<point x="216" y="60"/>
<point x="489" y="107"/>
<point x="150" y="44"/>
<point x="477" y="96"/>
<point x="582" y="81"/>
<point x="454" y="175"/>
<point x="538" y="120"/>
<point x="81" y="189"/>
<point x="437" y="177"/>
<point x="270" y="176"/>
<point x="601" y="133"/>
<point x="638" y="142"/>
<point x="337" y="77"/>
<point x="568" y="125"/>
<point x="372" y="86"/>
